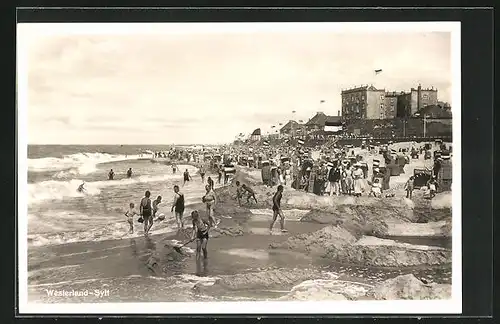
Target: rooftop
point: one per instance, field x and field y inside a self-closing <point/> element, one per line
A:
<point x="361" y="88"/>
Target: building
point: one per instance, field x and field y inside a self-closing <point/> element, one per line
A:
<point x="411" y="102"/>
<point x="319" y="120"/>
<point x="256" y="135"/>
<point x="292" y="127"/>
<point x="365" y="102"/>
<point x="434" y="112"/>
<point x="389" y="109"/>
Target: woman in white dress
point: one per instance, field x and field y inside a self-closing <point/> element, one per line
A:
<point x="357" y="175"/>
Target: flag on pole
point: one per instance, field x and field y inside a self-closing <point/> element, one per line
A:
<point x="378" y="71"/>
<point x="322" y="101"/>
<point x="293" y="111"/>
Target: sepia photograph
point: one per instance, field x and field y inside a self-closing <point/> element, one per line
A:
<point x="169" y="168"/>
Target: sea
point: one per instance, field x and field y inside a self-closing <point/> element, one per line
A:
<point x="58" y="213"/>
<point x="81" y="241"/>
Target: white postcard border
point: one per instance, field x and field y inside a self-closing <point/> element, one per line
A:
<point x="452" y="306"/>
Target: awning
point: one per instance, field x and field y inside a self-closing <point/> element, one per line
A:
<point x="333" y="129"/>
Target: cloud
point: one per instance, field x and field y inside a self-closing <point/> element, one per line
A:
<point x="195" y="87"/>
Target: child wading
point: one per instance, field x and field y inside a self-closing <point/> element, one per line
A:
<point x="130" y="213"/>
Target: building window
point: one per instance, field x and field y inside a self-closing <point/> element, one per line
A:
<point x="425" y="96"/>
<point x="382" y="97"/>
<point x="381" y="106"/>
<point x="362" y="97"/>
<point x="392" y="100"/>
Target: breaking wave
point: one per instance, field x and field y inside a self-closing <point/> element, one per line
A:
<point x="56" y="190"/>
<point x="79" y="163"/>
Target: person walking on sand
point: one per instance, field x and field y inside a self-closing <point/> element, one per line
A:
<point x="146" y="211"/>
<point x="178" y="207"/>
<point x="174" y="169"/>
<point x="277" y="210"/>
<point x="187" y="177"/>
<point x="130" y="213"/>
<point x="210" y="201"/>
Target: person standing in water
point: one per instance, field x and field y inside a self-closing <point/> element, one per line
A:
<point x="210" y="200"/>
<point x="187" y="177"/>
<point x="146" y="211"/>
<point x="202" y="174"/>
<point x="174" y="169"/>
<point x="178" y="207"/>
<point x="111" y="175"/>
<point x="277" y="210"/>
<point x="129" y="173"/>
<point x="81" y="188"/>
<point x="156" y="202"/>
<point x="200" y="234"/>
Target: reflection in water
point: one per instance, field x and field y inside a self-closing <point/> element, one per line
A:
<point x="202" y="267"/>
<point x="133" y="246"/>
<point x="150" y="244"/>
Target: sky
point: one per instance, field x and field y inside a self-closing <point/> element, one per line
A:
<point x="199" y="87"/>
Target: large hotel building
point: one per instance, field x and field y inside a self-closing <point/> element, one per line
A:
<point x="368" y="102"/>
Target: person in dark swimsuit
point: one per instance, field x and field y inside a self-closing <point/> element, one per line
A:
<point x="187" y="177"/>
<point x="210" y="182"/>
<point x="146" y="211"/>
<point x="129" y="173"/>
<point x="178" y="206"/>
<point x="174" y="169"/>
<point x="155" y="205"/>
<point x="219" y="171"/>
<point x="200" y="234"/>
<point x="277" y="210"/>
<point x="111" y="175"/>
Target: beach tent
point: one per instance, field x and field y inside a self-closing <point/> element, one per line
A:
<point x="229" y="169"/>
<point x="421" y="175"/>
